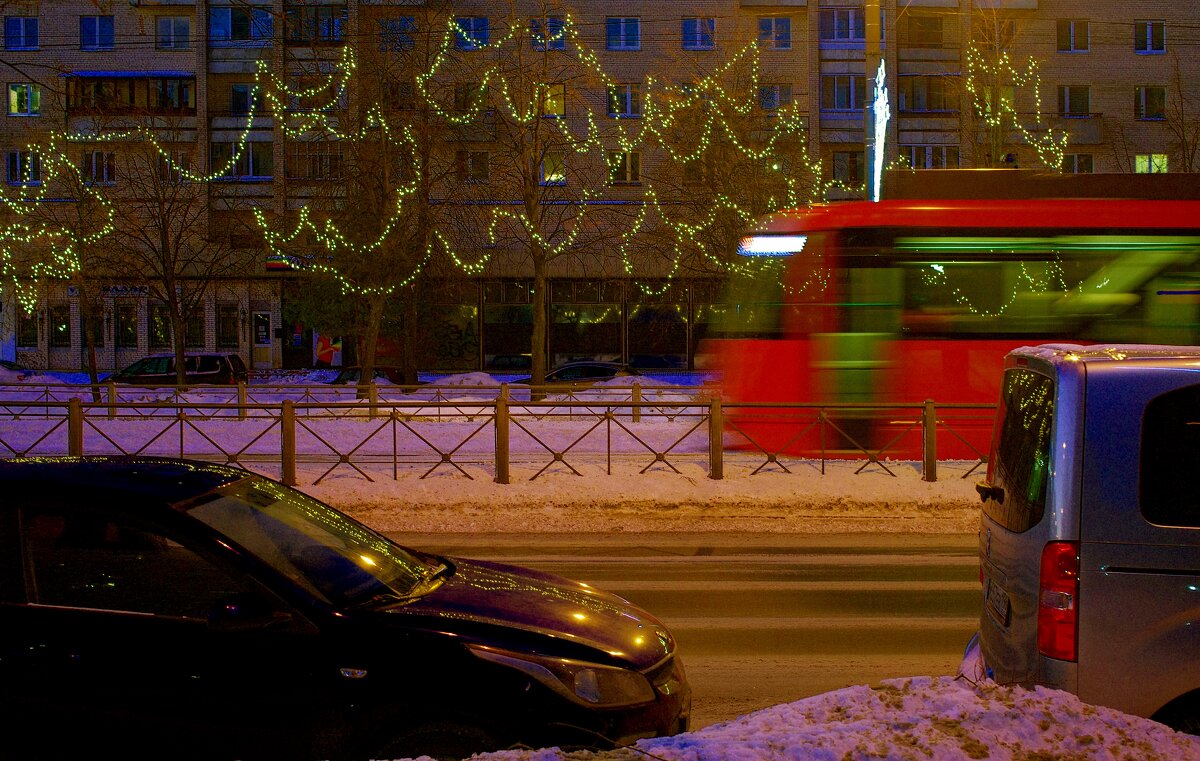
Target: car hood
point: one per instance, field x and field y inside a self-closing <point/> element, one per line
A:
<point x="503" y="595"/>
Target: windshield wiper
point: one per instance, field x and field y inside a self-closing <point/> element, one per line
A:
<point x="444" y="568"/>
<point x="383" y="599"/>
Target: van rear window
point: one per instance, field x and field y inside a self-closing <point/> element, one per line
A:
<point x="1170" y="456"/>
<point x="1021" y="450"/>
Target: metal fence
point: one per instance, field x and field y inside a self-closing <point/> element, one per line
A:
<point x="464" y="432"/>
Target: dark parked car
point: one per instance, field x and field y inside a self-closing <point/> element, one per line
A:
<point x="582" y="373"/>
<point x="200" y="368"/>
<point x="386" y="374"/>
<point x="16" y="367"/>
<point x="168" y="609"/>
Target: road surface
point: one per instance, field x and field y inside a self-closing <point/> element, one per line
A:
<point x="763" y="619"/>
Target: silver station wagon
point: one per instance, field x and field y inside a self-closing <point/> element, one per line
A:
<point x="1090" y="537"/>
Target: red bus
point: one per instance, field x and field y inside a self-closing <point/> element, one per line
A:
<point x="901" y="301"/>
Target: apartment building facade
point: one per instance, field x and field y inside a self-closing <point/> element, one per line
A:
<point x="1117" y="79"/>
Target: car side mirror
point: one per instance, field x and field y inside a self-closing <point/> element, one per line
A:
<point x="246" y="611"/>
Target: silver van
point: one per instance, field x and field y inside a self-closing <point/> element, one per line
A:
<point x="1089" y="543"/>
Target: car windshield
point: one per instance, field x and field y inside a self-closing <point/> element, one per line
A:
<point x="327" y="553"/>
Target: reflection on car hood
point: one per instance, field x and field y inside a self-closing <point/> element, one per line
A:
<point x="493" y="593"/>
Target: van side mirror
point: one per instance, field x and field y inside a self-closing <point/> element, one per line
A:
<point x="246" y="611"/>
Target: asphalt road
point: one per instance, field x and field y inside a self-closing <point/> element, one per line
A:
<point x="763" y="619"/>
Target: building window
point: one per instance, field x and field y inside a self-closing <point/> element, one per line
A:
<point x="1150" y="37"/>
<point x="548" y="33"/>
<point x="1074" y="100"/>
<point x="923" y="32"/>
<point x="240" y="25"/>
<point x="172" y="165"/>
<point x="1077" y="163"/>
<point x="930" y="156"/>
<point x="396" y="34"/>
<point x="317" y="94"/>
<point x="227" y="326"/>
<point x="20" y="33"/>
<point x="1072" y="35"/>
<point x="554" y="168"/>
<point x="24" y="168"/>
<point x="193" y="329"/>
<point x="24" y="99"/>
<point x="245" y="98"/>
<point x="926" y="93"/>
<point x="1150" y="103"/>
<point x="772" y="97"/>
<point x="60" y="325"/>
<point x="125" y="333"/>
<point x="173" y="95"/>
<point x="315" y="24"/>
<point x="698" y="33"/>
<point x="624" y="167"/>
<point x="843" y="25"/>
<point x="775" y="32"/>
<point x="174" y="33"/>
<point x="472" y="166"/>
<point x="160" y="326"/>
<point x="625" y="100"/>
<point x="843" y="92"/>
<point x="96" y="33"/>
<point x="253" y="161"/>
<point x="98" y="168"/>
<point x="848" y="167"/>
<point x="1150" y="163"/>
<point x="554" y="100"/>
<point x="27" y="329"/>
<point x="314" y="160"/>
<point x="623" y="33"/>
<point x="470" y="32"/>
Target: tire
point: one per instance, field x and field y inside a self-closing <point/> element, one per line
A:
<point x="444" y="741"/>
<point x="1182" y="718"/>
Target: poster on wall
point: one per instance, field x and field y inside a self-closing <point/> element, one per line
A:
<point x="327" y="351"/>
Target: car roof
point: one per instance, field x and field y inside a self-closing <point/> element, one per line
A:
<point x="162" y="479"/>
<point x="1073" y="353"/>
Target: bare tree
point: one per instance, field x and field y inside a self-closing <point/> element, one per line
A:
<point x="1183" y="120"/>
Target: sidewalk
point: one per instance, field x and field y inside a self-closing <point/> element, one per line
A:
<point x="803" y="501"/>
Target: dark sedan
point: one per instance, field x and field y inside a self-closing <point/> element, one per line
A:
<point x="172" y="609"/>
<point x="585" y="373"/>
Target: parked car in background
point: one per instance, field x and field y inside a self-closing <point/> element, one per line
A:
<point x="15" y="367"/>
<point x="153" y="608"/>
<point x="583" y="373"/>
<point x="1089" y="542"/>
<point x="384" y="374"/>
<point x="200" y="368"/>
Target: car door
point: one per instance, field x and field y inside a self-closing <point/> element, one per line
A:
<point x="131" y="635"/>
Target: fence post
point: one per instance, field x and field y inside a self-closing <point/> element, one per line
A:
<point x="637" y="399"/>
<point x="75" y="428"/>
<point x="929" y="450"/>
<point x="287" y="442"/>
<point x="112" y="400"/>
<point x="716" y="462"/>
<point x="502" y="475"/>
<point x="241" y="400"/>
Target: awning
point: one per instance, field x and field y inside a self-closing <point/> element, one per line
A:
<point x="127" y="74"/>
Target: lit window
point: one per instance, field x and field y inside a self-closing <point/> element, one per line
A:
<point x="1150" y="103"/>
<point x="1150" y="37"/>
<point x="96" y="33"/>
<point x="698" y="33"/>
<point x="623" y="33"/>
<point x="624" y="167"/>
<point x="1072" y="35"/>
<point x="174" y="33"/>
<point x="625" y="100"/>
<point x="1150" y="163"/>
<point x="554" y="102"/>
<point x="21" y="33"/>
<point x="548" y="33"/>
<point x="24" y="99"/>
<point x="470" y="32"/>
<point x="775" y="32"/>
<point x="554" y="168"/>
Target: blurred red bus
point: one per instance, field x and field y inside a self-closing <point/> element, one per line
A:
<point x="905" y="300"/>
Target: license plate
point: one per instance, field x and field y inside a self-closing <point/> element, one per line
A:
<point x="997" y="603"/>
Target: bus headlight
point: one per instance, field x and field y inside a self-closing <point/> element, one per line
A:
<point x="589" y="684"/>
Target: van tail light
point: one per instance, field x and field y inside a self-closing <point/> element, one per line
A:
<point x="1058" y="601"/>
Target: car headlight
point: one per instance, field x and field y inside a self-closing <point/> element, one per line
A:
<point x="589" y="684"/>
